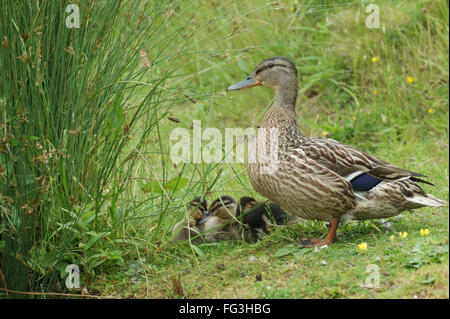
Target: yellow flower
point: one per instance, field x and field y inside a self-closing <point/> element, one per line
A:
<point x="362" y="246"/>
<point x="403" y="235"/>
<point x="325" y="134"/>
<point x="430" y="110"/>
<point x="354" y="118"/>
<point x="375" y="92"/>
<point x="410" y="80"/>
<point x="424" y="232"/>
<point x="292" y="8"/>
<point x="375" y="59"/>
<point x="392" y="238"/>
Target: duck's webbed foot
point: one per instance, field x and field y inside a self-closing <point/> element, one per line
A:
<point x="312" y="242"/>
<point x="330" y="239"/>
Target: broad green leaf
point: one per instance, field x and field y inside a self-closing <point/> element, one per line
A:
<point x="85" y="219"/>
<point x="429" y="280"/>
<point x="153" y="186"/>
<point x="285" y="251"/>
<point x="176" y="183"/>
<point x="95" y="238"/>
<point x="301" y="252"/>
<point x="172" y="185"/>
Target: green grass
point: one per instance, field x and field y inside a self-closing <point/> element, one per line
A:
<point x="403" y="123"/>
<point x="229" y="270"/>
<point x="342" y="94"/>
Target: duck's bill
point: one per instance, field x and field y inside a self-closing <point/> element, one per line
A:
<point x="247" y="83"/>
<point x="204" y="219"/>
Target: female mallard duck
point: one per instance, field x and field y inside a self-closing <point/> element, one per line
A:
<point x="323" y="179"/>
<point x="191" y="228"/>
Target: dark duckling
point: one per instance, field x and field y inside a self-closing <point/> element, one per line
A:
<point x="260" y="216"/>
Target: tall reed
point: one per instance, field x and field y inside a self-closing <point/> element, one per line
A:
<point x="68" y="130"/>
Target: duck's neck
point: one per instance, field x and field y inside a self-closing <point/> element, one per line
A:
<point x="286" y="95"/>
<point x="282" y="114"/>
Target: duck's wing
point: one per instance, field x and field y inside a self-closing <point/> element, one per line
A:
<point x="355" y="165"/>
<point x="317" y="182"/>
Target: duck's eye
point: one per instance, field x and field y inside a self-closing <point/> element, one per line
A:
<point x="248" y="78"/>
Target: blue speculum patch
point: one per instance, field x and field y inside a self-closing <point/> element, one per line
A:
<point x="364" y="182"/>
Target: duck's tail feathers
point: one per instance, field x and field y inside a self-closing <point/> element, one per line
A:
<point x="419" y="180"/>
<point x="428" y="200"/>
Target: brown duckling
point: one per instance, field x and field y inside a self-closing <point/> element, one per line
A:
<point x="221" y="223"/>
<point x="246" y="220"/>
<point x="198" y="213"/>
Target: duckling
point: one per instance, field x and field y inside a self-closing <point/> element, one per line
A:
<point x="198" y="213"/>
<point x="244" y="221"/>
<point x="221" y="223"/>
<point x="320" y="178"/>
<point x="258" y="217"/>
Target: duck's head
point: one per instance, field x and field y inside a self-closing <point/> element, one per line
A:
<point x="245" y="203"/>
<point x="277" y="72"/>
<point x="224" y="208"/>
<point x="198" y="210"/>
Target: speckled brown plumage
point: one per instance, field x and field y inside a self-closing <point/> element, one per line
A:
<point x="315" y="178"/>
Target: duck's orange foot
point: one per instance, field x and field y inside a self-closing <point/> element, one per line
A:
<point x="312" y="242"/>
<point x="331" y="236"/>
